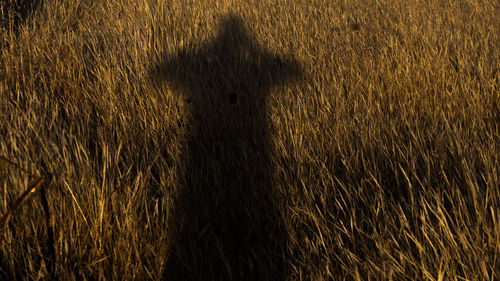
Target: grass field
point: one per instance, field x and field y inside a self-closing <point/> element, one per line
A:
<point x="250" y="140"/>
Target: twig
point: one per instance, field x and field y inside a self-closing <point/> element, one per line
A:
<point x="50" y="231"/>
<point x="5" y="219"/>
<point x="38" y="184"/>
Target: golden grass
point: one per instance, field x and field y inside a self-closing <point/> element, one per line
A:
<point x="383" y="158"/>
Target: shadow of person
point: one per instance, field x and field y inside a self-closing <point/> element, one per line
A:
<point x="226" y="219"/>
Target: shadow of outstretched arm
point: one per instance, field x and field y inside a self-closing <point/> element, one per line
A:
<point x="17" y="12"/>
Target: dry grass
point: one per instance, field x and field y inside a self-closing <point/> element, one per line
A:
<point x="381" y="160"/>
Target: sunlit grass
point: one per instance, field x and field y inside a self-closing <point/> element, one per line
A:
<point x="385" y="153"/>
